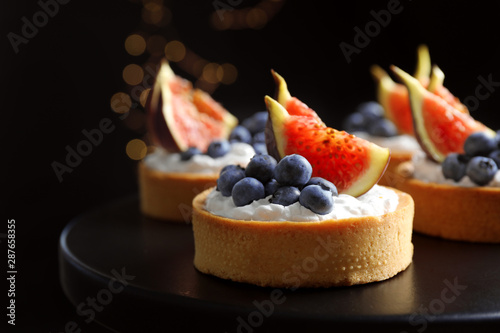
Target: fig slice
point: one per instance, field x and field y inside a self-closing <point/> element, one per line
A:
<point x="180" y="117"/>
<point x="440" y="128"/>
<point x="353" y="164"/>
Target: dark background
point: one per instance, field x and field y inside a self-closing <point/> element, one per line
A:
<point x="61" y="82"/>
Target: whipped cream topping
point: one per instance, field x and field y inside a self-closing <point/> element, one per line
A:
<point x="430" y="171"/>
<point x="398" y="143"/>
<point x="161" y="160"/>
<point x="377" y="201"/>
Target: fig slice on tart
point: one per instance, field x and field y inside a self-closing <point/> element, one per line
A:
<point x="180" y="117"/>
<point x="440" y="128"/>
<point x="352" y="164"/>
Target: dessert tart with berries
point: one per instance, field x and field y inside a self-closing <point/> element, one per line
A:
<point x="194" y="137"/>
<point x="295" y="220"/>
<point x="455" y="182"/>
<point x="269" y="234"/>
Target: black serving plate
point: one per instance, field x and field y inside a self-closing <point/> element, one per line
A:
<point x="135" y="274"/>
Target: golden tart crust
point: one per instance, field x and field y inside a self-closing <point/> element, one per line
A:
<point x="304" y="254"/>
<point x="453" y="212"/>
<point x="168" y="195"/>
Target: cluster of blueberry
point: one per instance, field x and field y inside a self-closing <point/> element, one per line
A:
<point x="250" y="131"/>
<point x="480" y="161"/>
<point x="287" y="181"/>
<point x="369" y="117"/>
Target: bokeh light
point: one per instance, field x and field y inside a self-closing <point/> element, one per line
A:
<point x="135" y="45"/>
<point x="133" y="74"/>
<point x="136" y="149"/>
<point x="210" y="72"/>
<point x="175" y="51"/>
<point x="256" y="18"/>
<point x="227" y="73"/>
<point x="121" y="102"/>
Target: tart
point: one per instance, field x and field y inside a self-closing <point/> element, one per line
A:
<point x="453" y="212"/>
<point x="168" y="195"/>
<point x="455" y="181"/>
<point x="335" y="252"/>
<point x="168" y="185"/>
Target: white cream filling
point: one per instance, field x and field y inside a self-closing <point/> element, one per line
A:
<point x="398" y="143"/>
<point x="160" y="160"/>
<point x="377" y="201"/>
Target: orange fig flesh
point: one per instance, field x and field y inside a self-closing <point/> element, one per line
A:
<point x="436" y="86"/>
<point x="353" y="164"/>
<point x="439" y="127"/>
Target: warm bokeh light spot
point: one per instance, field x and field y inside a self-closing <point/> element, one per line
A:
<point x="210" y="72"/>
<point x="256" y="18"/>
<point x="135" y="45"/>
<point x="136" y="149"/>
<point x="175" y="51"/>
<point x="227" y="73"/>
<point x="120" y="102"/>
<point x="133" y="74"/>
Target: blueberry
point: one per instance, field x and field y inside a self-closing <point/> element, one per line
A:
<point x="495" y="156"/>
<point x="218" y="148"/>
<point x="454" y="167"/>
<point x="271" y="186"/>
<point x="260" y="148"/>
<point x="481" y="170"/>
<point x="190" y="152"/>
<point x="261" y="167"/>
<point x="247" y="190"/>
<point x="293" y="170"/>
<point x="259" y="137"/>
<point x="479" y="144"/>
<point x="256" y="122"/>
<point x="382" y="127"/>
<point x="324" y="184"/>
<point x="286" y="195"/>
<point x="316" y="199"/>
<point x="240" y="134"/>
<point x="229" y="176"/>
<point x="354" y="122"/>
<point x="371" y="111"/>
<point x="234" y="167"/>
